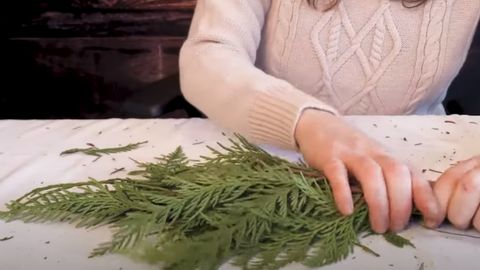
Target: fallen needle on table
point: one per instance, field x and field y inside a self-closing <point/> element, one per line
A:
<point x="117" y="170"/>
<point x="6" y="238"/>
<point x="367" y="249"/>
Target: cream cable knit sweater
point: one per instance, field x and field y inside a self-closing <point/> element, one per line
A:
<point x="254" y="65"/>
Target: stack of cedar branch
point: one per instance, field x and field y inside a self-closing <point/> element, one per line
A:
<point x="239" y="205"/>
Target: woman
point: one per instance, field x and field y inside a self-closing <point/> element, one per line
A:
<point x="284" y="71"/>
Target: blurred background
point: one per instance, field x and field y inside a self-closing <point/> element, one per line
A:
<point x="118" y="58"/>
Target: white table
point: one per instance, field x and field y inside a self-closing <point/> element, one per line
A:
<point x="29" y="158"/>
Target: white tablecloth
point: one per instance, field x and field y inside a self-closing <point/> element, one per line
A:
<point x="29" y="158"/>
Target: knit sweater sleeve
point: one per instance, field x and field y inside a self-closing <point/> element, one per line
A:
<point x="219" y="77"/>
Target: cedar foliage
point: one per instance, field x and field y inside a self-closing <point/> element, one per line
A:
<point x="239" y="205"/>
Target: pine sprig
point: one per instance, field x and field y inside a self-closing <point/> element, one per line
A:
<point x="98" y="152"/>
<point x="239" y="204"/>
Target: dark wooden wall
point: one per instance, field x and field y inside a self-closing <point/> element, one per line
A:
<point x="118" y="58"/>
<point x="94" y="59"/>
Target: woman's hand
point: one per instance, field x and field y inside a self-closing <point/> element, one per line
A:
<point x="333" y="146"/>
<point x="458" y="192"/>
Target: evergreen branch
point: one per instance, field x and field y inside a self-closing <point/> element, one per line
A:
<point x="98" y="152"/>
<point x="129" y="232"/>
<point x="239" y="203"/>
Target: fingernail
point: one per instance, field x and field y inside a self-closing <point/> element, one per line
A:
<point x="345" y="209"/>
<point x="345" y="212"/>
<point x="397" y="228"/>
<point x="379" y="230"/>
<point x="348" y="210"/>
<point x="430" y="223"/>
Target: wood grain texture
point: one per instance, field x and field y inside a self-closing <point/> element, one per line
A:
<point x="137" y="4"/>
<point x="103" y="24"/>
<point x="35" y="5"/>
<point x="94" y="59"/>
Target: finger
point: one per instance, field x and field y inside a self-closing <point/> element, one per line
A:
<point x="370" y="176"/>
<point x="446" y="183"/>
<point x="399" y="189"/>
<point x="476" y="220"/>
<point x="426" y="201"/>
<point x="465" y="200"/>
<point x="337" y="175"/>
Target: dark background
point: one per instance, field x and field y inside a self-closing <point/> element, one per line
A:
<point x="118" y="58"/>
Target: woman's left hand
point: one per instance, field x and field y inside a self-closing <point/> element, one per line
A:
<point x="458" y="194"/>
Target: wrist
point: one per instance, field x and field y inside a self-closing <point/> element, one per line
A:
<point x="310" y="120"/>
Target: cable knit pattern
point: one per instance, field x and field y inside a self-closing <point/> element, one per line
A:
<point x="287" y="18"/>
<point x="326" y="83"/>
<point x="373" y="79"/>
<point x="333" y="40"/>
<point x="373" y="67"/>
<point x="435" y="15"/>
<point x="377" y="44"/>
<point x="254" y="65"/>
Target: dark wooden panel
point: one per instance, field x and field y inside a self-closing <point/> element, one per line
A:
<point x="130" y="61"/>
<point x="104" y="24"/>
<point x="90" y="77"/>
<point x="36" y="5"/>
<point x="94" y="59"/>
<point x="136" y="4"/>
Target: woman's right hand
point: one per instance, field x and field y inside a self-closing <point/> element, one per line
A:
<point x="331" y="145"/>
